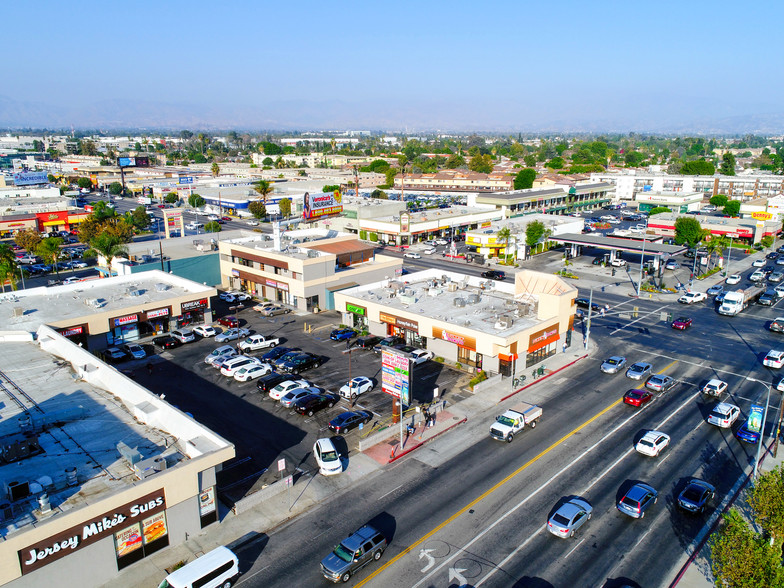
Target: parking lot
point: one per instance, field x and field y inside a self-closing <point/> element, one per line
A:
<point x="262" y="430"/>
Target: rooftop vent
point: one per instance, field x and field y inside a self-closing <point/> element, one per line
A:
<point x="473" y="299"/>
<point x="160" y="287"/>
<point x="459" y="302"/>
<point x="135" y="292"/>
<point x="504" y="322"/>
<point x="18" y="311"/>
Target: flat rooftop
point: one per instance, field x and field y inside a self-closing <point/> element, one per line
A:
<point x="438" y="214"/>
<point x="45" y="305"/>
<point x="433" y="293"/>
<point x="75" y="426"/>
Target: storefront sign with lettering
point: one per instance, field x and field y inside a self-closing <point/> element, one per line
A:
<point x="456" y="338"/>
<point x="403" y="323"/>
<point x="194" y="304"/>
<point x="151" y="314"/>
<point x="126" y="320"/>
<point x="361" y="310"/>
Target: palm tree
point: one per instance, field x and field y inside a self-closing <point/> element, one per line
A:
<point x="264" y="188"/>
<point x="49" y="250"/>
<point x="215" y="169"/>
<point x="8" y="266"/>
<point x="505" y="234"/>
<point x="109" y="246"/>
<point x="712" y="246"/>
<point x="722" y="243"/>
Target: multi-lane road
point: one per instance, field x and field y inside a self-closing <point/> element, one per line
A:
<point x="470" y="510"/>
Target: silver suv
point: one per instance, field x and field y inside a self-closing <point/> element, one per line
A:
<point x="353" y="553"/>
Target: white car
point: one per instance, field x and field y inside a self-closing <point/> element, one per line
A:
<point x="421" y="356"/>
<point x="429" y="251"/>
<point x="774" y="359"/>
<point x="356" y="386"/>
<point x="233" y="296"/>
<point x="618" y="262"/>
<point x="758" y="263"/>
<point x="692" y="297"/>
<point x="135" y="351"/>
<point x="72" y="280"/>
<point x="77" y="264"/>
<point x="442" y="242"/>
<point x="263" y="306"/>
<point x="757" y="276"/>
<point x="652" y="443"/>
<point x="412" y="255"/>
<point x="283" y="388"/>
<point x="780" y="385"/>
<point x="193" y="226"/>
<point x="183" y="335"/>
<point x="253" y="223"/>
<point x="205" y="331"/>
<point x="235" y="363"/>
<point x="327" y="457"/>
<point x="733" y="279"/>
<point x="232" y="334"/>
<point x="614" y="221"/>
<point x="251" y="372"/>
<point x="724" y="415"/>
<point x="220" y="354"/>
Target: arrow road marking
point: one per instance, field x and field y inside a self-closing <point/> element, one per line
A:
<point x="431" y="562"/>
<point x="456" y="574"/>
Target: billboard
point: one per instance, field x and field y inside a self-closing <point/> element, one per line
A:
<point x="763" y="216"/>
<point x="755" y="418"/>
<point x="396" y="375"/>
<point x="30" y="178"/>
<point x="316" y="206"/>
<point x="133" y="161"/>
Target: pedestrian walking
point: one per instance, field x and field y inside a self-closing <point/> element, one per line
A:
<point x="564" y="347"/>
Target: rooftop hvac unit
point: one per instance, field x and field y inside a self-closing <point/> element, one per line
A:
<point x="160" y="287"/>
<point x="504" y="322"/>
<point x="132" y="456"/>
<point x="135" y="292"/>
<point x="459" y="302"/>
<point x="312" y="253"/>
<point x="17" y="490"/>
<point x="473" y="299"/>
<point x="451" y="287"/>
<point x="6" y="512"/>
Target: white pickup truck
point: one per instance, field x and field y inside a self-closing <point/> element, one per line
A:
<point x="256" y="342"/>
<point x="514" y="420"/>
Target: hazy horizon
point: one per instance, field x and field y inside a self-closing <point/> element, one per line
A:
<point x="450" y="67"/>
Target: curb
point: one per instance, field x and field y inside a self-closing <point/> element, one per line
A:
<point x="716" y="523"/>
<point x="407" y="451"/>
<point x="563" y="367"/>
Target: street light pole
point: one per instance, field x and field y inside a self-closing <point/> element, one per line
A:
<point x="642" y="261"/>
<point x="588" y="322"/>
<point x="729" y="256"/>
<point x="762" y="429"/>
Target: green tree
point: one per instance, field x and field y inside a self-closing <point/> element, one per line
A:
<point x="688" y="230"/>
<point x="139" y="218"/>
<point x="257" y="209"/>
<point x="534" y="231"/>
<point x="555" y="163"/>
<point x="28" y="239"/>
<point x="658" y="210"/>
<point x="727" y="164"/>
<point x="719" y="200"/>
<point x="285" y="207"/>
<point x="101" y="210"/>
<point x="264" y="189"/>
<point x="455" y="161"/>
<point x="212" y="227"/>
<point x="196" y="201"/>
<point x="49" y="251"/>
<point x="482" y="164"/>
<point x="330" y="188"/>
<point x="171" y="198"/>
<point x="115" y="188"/>
<point x="530" y="160"/>
<point x="732" y="208"/>
<point x="505" y="234"/>
<point x="267" y="161"/>
<point x="766" y="241"/>
<point x="741" y="558"/>
<point x="767" y="501"/>
<point x="109" y="246"/>
<point x="9" y="267"/>
<point x="524" y="179"/>
<point x="699" y="167"/>
<point x="84" y="183"/>
<point x="215" y="168"/>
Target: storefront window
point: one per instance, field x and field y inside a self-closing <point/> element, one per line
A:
<point x="541" y="354"/>
<point x="359" y="322"/>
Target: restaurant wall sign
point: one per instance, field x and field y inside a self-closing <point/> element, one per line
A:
<point x="194" y="304"/>
<point x="53" y="548"/>
<point x="397" y="321"/>
<point x="456" y="338"/>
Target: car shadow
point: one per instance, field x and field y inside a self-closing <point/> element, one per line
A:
<point x="386" y="524"/>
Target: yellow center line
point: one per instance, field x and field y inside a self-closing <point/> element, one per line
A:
<point x="668" y="366"/>
<point x="488" y="493"/>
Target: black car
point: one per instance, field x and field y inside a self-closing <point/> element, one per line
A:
<point x="276" y="353"/>
<point x="166" y="342"/>
<point x="599" y="260"/>
<point x="405" y="348"/>
<point x="289" y="355"/>
<point x="346" y="421"/>
<point x="269" y="381"/>
<point x="772" y="255"/>
<point x="387" y="342"/>
<point x="769" y="298"/>
<point x="300" y="363"/>
<point x="367" y="342"/>
<point x="583" y="303"/>
<point x="494" y="274"/>
<point x="695" y="495"/>
<point x="315" y="402"/>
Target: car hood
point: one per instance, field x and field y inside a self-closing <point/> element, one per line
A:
<point x="332" y="563"/>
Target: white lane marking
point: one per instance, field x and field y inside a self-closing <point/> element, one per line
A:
<point x="661" y="461"/>
<point x="637" y="320"/>
<point x="643" y="537"/>
<point x="573" y="548"/>
<point x="391" y="491"/>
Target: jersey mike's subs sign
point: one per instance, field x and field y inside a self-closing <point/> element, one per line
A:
<point x="53" y="548"/>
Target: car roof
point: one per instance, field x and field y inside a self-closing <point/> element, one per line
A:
<point x="638" y="491"/>
<point x="724" y="407"/>
<point x="356" y="539"/>
<point x="325" y="444"/>
<point x="653" y="435"/>
<point x="714" y="381"/>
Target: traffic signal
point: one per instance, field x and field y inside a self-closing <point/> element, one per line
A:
<point x="635" y="312"/>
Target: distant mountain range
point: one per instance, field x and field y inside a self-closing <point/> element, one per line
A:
<point x="382" y="115"/>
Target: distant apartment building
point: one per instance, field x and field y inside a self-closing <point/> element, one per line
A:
<point x="455" y="181"/>
<point x="629" y="183"/>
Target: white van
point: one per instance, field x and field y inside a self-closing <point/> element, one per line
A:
<point x="219" y="567"/>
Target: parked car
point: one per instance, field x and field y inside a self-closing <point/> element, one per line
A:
<point x="183" y="335"/>
<point x="618" y="262"/>
<point x="114" y="355"/>
<point x="637" y="397"/>
<point x="280" y="390"/>
<point x="274" y="310"/>
<point x="251" y="372"/>
<point x="310" y="405"/>
<point x="300" y="363"/>
<point x="682" y="323"/>
<point x="342" y="334"/>
<point x="569" y="517"/>
<point x="290" y="397"/>
<point x="219" y="354"/>
<point x="353" y="553"/>
<point x="639" y="370"/>
<point x="652" y="443"/>
<point x="723" y="415"/>
<point x="327" y="457"/>
<point x="774" y="359"/>
<point x="494" y="275"/>
<point x="356" y="386"/>
<point x="421" y="356"/>
<point x="696" y="495"/>
<point x="346" y="421"/>
<point x="231" y="335"/>
<point x="276" y="353"/>
<point x="387" y="342"/>
<point x="262" y="306"/>
<point x="229" y="321"/>
<point x="671" y="265"/>
<point x="230" y="366"/>
<point x="205" y="331"/>
<point x="135" y="351"/>
<point x="166" y="342"/>
<point x="370" y="341"/>
<point x="272" y="379"/>
<point x="637" y="500"/>
<point x="613" y="364"/>
<point x="692" y="297"/>
<point x="660" y="383"/>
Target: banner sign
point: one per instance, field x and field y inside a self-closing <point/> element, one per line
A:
<point x="755" y="418"/>
<point x="30" y="178"/>
<point x="315" y="206"/>
<point x="763" y="216"/>
<point x="151" y="314"/>
<point x="456" y="338"/>
<point x="395" y="375"/>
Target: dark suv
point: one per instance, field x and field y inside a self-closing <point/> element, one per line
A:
<point x="388" y="342"/>
<point x="300" y="363"/>
<point x="353" y="553"/>
<point x="272" y="379"/>
<point x="494" y="274"/>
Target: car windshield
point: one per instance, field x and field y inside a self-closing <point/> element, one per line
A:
<point x="656" y="380"/>
<point x="613" y="361"/>
<point x="638" y="367"/>
<point x="635" y="394"/>
<point x="505" y="420"/>
<point x="345" y="554"/>
<point x="692" y="493"/>
<point x="329" y="456"/>
<point x="560" y="519"/>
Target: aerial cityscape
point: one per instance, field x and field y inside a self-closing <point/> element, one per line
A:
<point x="424" y="295"/>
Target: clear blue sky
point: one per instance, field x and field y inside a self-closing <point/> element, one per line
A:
<point x="509" y="64"/>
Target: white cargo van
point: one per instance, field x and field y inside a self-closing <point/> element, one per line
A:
<point x="219" y="567"/>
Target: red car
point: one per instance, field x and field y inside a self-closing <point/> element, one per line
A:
<point x="637" y="397"/>
<point x="229" y="321"/>
<point x="681" y="323"/>
<point x="225" y="218"/>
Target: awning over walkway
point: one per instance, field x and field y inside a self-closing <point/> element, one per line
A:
<point x="619" y="244"/>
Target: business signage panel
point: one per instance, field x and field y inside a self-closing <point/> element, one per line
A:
<point x="396" y="374"/>
<point x="315" y="206"/>
<point x="31" y="178"/>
